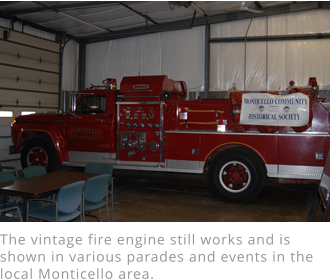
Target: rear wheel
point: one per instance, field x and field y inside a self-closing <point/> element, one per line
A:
<point x="39" y="152"/>
<point x="236" y="175"/>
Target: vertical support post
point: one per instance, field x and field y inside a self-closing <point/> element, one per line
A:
<point x="207" y="59"/>
<point x="60" y="78"/>
<point x="62" y="41"/>
<point x="81" y="65"/>
<point x="267" y="54"/>
<point x="247" y="31"/>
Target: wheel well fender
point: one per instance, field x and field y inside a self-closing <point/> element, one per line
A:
<point x="225" y="149"/>
<point x="55" y="139"/>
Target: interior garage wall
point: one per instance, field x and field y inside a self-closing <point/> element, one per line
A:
<point x="70" y="66"/>
<point x="177" y="54"/>
<point x="271" y="65"/>
<point x="258" y="65"/>
<point x="29" y="80"/>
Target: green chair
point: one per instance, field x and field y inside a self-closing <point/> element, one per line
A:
<point x="33" y="171"/>
<point x="13" y="169"/>
<point x="11" y="209"/>
<point x="94" y="192"/>
<point x="64" y="208"/>
<point x="100" y="168"/>
<point x="7" y="177"/>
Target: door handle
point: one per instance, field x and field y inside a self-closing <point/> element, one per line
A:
<point x="99" y="120"/>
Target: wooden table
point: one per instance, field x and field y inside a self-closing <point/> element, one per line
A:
<point x="41" y="186"/>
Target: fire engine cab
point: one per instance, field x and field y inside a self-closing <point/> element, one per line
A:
<point x="149" y="125"/>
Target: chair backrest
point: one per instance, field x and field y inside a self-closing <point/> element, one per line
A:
<point x="69" y="197"/>
<point x="99" y="168"/>
<point x="7" y="177"/>
<point x="32" y="171"/>
<point x="96" y="188"/>
<point x="11" y="168"/>
<point x="11" y="219"/>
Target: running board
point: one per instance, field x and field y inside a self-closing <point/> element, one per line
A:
<point x="81" y="159"/>
<point x="122" y="166"/>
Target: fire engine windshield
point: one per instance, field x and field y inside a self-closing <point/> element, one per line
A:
<point x="91" y="104"/>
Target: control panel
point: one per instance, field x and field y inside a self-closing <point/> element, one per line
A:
<point x="140" y="132"/>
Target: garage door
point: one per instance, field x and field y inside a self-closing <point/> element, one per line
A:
<point x="29" y="82"/>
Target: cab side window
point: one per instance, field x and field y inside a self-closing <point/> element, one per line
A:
<point x="90" y="104"/>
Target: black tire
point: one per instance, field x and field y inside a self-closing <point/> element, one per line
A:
<point x="40" y="152"/>
<point x="236" y="175"/>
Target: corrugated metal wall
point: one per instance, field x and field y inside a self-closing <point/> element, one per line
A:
<point x="271" y="64"/>
<point x="178" y="54"/>
<point x="254" y="65"/>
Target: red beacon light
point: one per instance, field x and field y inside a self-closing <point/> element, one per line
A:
<point x="311" y="80"/>
<point x="291" y="85"/>
<point x="313" y="83"/>
<point x="112" y="83"/>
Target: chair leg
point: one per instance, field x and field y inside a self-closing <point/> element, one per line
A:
<point x="107" y="209"/>
<point x="107" y="205"/>
<point x="318" y="210"/>
<point x="112" y="205"/>
<point x="100" y="214"/>
<point x="112" y="208"/>
<point x="325" y="214"/>
<point x="27" y="211"/>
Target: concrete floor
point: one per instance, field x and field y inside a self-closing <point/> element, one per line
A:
<point x="164" y="197"/>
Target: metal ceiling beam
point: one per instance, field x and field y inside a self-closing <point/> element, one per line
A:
<point x="34" y="25"/>
<point x="186" y="24"/>
<point x="271" y="38"/>
<point x="138" y="13"/>
<point x="78" y="4"/>
<point x="77" y="18"/>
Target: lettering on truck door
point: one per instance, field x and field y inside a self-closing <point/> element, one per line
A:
<point x="87" y="127"/>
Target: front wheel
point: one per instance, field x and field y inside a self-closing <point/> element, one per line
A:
<point x="39" y="152"/>
<point x="236" y="175"/>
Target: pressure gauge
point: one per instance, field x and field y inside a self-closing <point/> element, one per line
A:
<point x="154" y="146"/>
<point x="150" y="125"/>
<point x="128" y="125"/>
<point x="135" y="125"/>
<point x="156" y="125"/>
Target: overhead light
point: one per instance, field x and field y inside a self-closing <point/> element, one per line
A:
<point x="187" y="4"/>
<point x="244" y="8"/>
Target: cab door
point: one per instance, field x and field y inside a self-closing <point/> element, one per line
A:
<point x="89" y="126"/>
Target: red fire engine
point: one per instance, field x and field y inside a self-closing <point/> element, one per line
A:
<point x="149" y="125"/>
